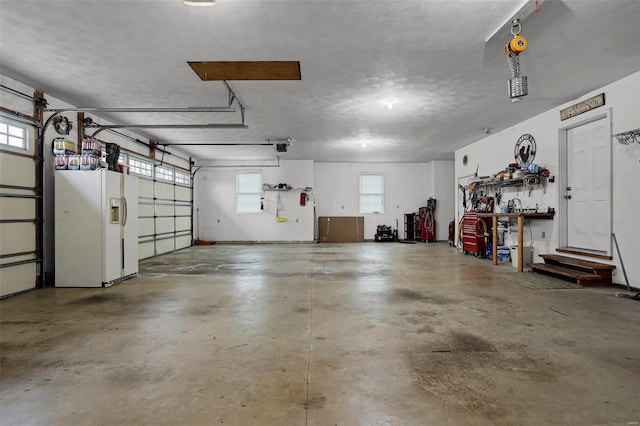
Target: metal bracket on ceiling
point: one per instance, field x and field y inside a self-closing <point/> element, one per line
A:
<point x="233" y="97"/>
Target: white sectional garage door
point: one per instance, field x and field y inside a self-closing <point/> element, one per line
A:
<point x="164" y="208"/>
<point x="19" y="262"/>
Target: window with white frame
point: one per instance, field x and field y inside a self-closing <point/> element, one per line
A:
<point x="248" y="192"/>
<point x="182" y="178"/>
<point x="371" y="193"/>
<point x="140" y="167"/>
<point x="164" y="173"/>
<point x="14" y="134"/>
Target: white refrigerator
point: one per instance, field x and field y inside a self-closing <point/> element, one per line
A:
<point x="96" y="227"/>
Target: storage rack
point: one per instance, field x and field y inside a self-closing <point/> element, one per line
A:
<point x="410" y="233"/>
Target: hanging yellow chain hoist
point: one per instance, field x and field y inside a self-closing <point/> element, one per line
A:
<point x="518" y="86"/>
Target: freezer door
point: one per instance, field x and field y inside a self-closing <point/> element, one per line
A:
<point x="112" y="264"/>
<point x="78" y="222"/>
<point x="130" y="220"/>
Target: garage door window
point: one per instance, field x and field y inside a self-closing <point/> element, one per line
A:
<point x="14" y="134"/>
<point x="182" y="179"/>
<point x="140" y="167"/>
<point x="372" y="193"/>
<point x="248" y="192"/>
<point x="163" y="173"/>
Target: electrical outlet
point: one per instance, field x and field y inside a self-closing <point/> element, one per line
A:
<point x="543" y="234"/>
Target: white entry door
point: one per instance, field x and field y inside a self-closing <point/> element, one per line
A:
<point x="588" y="189"/>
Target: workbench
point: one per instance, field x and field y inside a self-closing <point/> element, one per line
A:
<point x="521" y="216"/>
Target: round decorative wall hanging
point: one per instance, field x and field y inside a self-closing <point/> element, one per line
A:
<point x="62" y="125"/>
<point x="525" y="150"/>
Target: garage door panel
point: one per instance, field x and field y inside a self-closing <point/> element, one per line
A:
<point x="164" y="202"/>
<point x="17" y="208"/>
<point x="145" y="250"/>
<point x="145" y="210"/>
<point x="183" y="193"/>
<point x="183" y="210"/>
<point x="17" y="278"/>
<point x="164" y="225"/>
<point x="164" y="210"/>
<point x="18" y="177"/>
<point x="145" y="188"/>
<point x="18" y="171"/>
<point x="17" y="237"/>
<point x="183" y="224"/>
<point x="145" y="226"/>
<point x="164" y="190"/>
<point x="182" y="242"/>
<point x="165" y="246"/>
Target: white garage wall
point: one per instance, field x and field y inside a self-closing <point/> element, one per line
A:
<point x="443" y="173"/>
<point x="494" y="152"/>
<point x="216" y="218"/>
<point x="335" y="191"/>
<point x="407" y="187"/>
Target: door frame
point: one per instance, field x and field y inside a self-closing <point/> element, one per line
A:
<point x="563" y="178"/>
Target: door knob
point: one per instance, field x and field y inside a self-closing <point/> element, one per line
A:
<point x="568" y="188"/>
<point x="568" y="197"/>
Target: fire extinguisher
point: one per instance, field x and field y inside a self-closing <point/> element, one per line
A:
<point x="303" y="198"/>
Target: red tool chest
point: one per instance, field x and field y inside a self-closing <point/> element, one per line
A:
<point x="473" y="230"/>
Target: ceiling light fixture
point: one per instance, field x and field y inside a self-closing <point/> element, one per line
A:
<point x="390" y="103"/>
<point x="201" y="3"/>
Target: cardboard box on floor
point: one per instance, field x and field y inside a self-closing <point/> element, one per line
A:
<point x="341" y="229"/>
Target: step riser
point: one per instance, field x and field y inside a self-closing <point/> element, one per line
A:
<point x="574" y="261"/>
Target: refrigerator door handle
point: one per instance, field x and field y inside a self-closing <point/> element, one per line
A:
<point x="124" y="212"/>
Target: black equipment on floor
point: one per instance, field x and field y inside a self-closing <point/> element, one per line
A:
<point x="385" y="233"/>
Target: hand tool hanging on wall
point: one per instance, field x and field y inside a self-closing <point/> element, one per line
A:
<point x="430" y="220"/>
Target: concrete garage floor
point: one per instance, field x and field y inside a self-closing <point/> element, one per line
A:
<point x="325" y="334"/>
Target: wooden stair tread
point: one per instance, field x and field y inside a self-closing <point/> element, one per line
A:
<point x="573" y="261"/>
<point x="563" y="270"/>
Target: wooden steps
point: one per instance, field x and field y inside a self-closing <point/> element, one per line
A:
<point x="584" y="272"/>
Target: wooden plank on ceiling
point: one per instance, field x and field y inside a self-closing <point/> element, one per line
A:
<point x="247" y="70"/>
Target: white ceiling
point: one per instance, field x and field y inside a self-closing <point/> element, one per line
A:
<point x="430" y="56"/>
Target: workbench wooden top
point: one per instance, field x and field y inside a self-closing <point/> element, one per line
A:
<point x="529" y="215"/>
